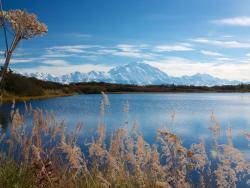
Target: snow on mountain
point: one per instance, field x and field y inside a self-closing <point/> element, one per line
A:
<point x="43" y="76"/>
<point x="93" y="76"/>
<point x="138" y="73"/>
<point x="203" y="80"/>
<point x="98" y="76"/>
<point x="134" y="73"/>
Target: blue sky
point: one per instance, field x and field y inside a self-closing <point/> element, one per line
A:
<point x="179" y="37"/>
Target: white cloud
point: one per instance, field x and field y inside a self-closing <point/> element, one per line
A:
<point x="171" y="48"/>
<point x="57" y="55"/>
<point x="71" y="50"/>
<point x="55" y="62"/>
<point x="66" y="69"/>
<point x="127" y="53"/>
<point x="21" y="54"/>
<point x="223" y="43"/>
<point x="228" y="36"/>
<point x="68" y="47"/>
<point x="128" y="47"/>
<point x="142" y="51"/>
<point x="176" y="66"/>
<point x="122" y="50"/>
<point x="130" y="54"/>
<point x="74" y="50"/>
<point x="82" y="35"/>
<point x="19" y="60"/>
<point x="224" y="59"/>
<point x="235" y="21"/>
<point x="127" y="50"/>
<point x="211" y="53"/>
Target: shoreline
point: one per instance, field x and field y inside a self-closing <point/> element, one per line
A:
<point x="175" y="92"/>
<point x="9" y="99"/>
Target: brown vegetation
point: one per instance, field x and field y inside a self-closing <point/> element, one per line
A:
<point x="43" y="155"/>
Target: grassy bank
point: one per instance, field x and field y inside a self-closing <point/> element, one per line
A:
<point x="10" y="99"/>
<point x="21" y="88"/>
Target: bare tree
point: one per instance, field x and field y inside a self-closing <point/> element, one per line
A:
<point x="23" y="26"/>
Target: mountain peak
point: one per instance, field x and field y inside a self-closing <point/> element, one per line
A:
<point x="137" y="73"/>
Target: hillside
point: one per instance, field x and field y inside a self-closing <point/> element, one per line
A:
<point x="19" y="87"/>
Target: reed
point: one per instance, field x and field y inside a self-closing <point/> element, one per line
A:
<point x="41" y="154"/>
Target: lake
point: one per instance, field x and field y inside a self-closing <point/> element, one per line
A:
<point x="187" y="114"/>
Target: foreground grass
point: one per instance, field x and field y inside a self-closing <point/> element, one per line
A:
<point x="13" y="175"/>
<point x="40" y="154"/>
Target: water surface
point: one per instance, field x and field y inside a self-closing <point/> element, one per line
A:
<point x="187" y="115"/>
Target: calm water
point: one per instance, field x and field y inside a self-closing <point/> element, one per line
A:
<point x="187" y="115"/>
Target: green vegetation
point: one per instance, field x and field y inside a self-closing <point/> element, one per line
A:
<point x="23" y="88"/>
<point x="93" y="87"/>
<point x="15" y="176"/>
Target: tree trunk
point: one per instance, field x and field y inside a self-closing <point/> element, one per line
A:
<point x="6" y="65"/>
<point x="7" y="60"/>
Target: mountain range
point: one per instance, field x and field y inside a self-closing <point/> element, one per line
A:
<point x="134" y="73"/>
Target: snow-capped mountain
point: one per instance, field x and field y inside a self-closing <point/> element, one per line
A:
<point x="134" y="73"/>
<point x="203" y="80"/>
<point x="138" y="73"/>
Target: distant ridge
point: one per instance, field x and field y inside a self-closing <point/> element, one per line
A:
<point x="134" y="73"/>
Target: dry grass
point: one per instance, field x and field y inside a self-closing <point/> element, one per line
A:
<point x="43" y="155"/>
<point x="8" y="98"/>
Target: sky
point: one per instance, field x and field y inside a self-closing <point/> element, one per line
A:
<point x="179" y="37"/>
